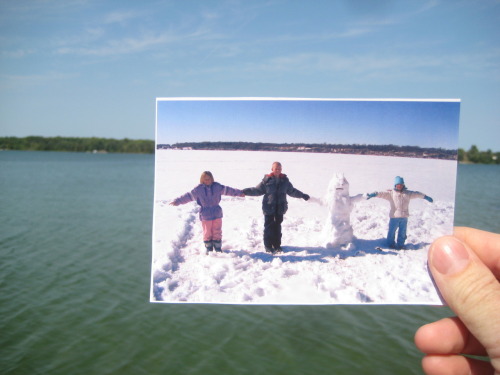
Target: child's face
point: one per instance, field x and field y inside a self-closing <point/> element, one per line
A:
<point x="207" y="180"/>
<point x="276" y="169"/>
<point x="399" y="187"/>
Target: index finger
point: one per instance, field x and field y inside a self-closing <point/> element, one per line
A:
<point x="486" y="245"/>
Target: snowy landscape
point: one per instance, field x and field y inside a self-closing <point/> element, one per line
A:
<point x="307" y="271"/>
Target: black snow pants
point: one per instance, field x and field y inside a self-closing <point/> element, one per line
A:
<point x="272" y="230"/>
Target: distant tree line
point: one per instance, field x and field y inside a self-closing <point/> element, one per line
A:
<point x="386" y="150"/>
<point x="473" y="155"/>
<point x="94" y="144"/>
<point x="75" y="144"/>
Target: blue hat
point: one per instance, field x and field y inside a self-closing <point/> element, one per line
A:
<point x="399" y="180"/>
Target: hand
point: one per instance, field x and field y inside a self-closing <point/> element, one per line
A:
<point x="428" y="199"/>
<point x="173" y="203"/>
<point x="306" y="197"/>
<point x="371" y="195"/>
<point x="466" y="269"/>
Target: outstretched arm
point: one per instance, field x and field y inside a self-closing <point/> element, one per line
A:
<point x="417" y="194"/>
<point x="316" y="200"/>
<point x="358" y="197"/>
<point x="255" y="191"/>
<point x="183" y="199"/>
<point x="296" y="193"/>
<point x="232" y="192"/>
<point x="380" y="194"/>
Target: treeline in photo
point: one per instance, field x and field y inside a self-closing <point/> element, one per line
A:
<point x="76" y="144"/>
<point x="384" y="150"/>
<point x="476" y="156"/>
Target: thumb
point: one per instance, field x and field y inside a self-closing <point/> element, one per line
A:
<point x="470" y="290"/>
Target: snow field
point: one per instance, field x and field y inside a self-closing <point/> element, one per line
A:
<point x="306" y="272"/>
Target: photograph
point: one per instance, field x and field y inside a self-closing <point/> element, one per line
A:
<point x="301" y="201"/>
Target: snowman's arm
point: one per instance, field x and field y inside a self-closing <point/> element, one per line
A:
<point x="317" y="200"/>
<point x="357" y="198"/>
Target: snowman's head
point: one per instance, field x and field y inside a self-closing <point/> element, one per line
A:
<point x="339" y="186"/>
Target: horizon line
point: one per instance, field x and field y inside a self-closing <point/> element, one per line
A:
<point x="311" y="144"/>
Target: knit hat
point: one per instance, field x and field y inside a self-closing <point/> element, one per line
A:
<point x="399" y="180"/>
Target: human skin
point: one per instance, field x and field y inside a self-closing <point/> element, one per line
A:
<point x="466" y="270"/>
<point x="276" y="169"/>
<point x="207" y="180"/>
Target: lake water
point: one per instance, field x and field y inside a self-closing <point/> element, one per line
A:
<point x="75" y="256"/>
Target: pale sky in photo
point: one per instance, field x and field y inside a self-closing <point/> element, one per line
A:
<point x="402" y="123"/>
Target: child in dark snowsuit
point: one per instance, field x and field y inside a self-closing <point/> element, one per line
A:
<point x="399" y="199"/>
<point x="274" y="186"/>
<point x="208" y="195"/>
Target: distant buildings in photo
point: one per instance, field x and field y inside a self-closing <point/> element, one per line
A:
<point x="380" y="150"/>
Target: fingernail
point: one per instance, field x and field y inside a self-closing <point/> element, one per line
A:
<point x="449" y="257"/>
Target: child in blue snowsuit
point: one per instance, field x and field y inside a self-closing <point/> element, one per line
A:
<point x="399" y="199"/>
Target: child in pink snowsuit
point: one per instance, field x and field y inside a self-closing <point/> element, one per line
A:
<point x="208" y="195"/>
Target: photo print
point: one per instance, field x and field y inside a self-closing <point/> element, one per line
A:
<point x="301" y="201"/>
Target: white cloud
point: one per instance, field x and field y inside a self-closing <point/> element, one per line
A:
<point x="119" y="46"/>
<point x="17" y="54"/>
<point x="21" y="81"/>
<point x="34" y="10"/>
<point x="395" y="17"/>
<point x="374" y="66"/>
<point x="121" y="17"/>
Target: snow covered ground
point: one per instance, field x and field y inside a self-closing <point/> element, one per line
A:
<point x="306" y="272"/>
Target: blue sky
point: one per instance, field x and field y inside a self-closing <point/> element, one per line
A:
<point x="95" y="68"/>
<point x="403" y="123"/>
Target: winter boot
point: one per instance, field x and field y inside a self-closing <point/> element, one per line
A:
<point x="209" y="246"/>
<point x="218" y="245"/>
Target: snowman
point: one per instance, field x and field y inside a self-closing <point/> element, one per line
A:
<point x="337" y="231"/>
